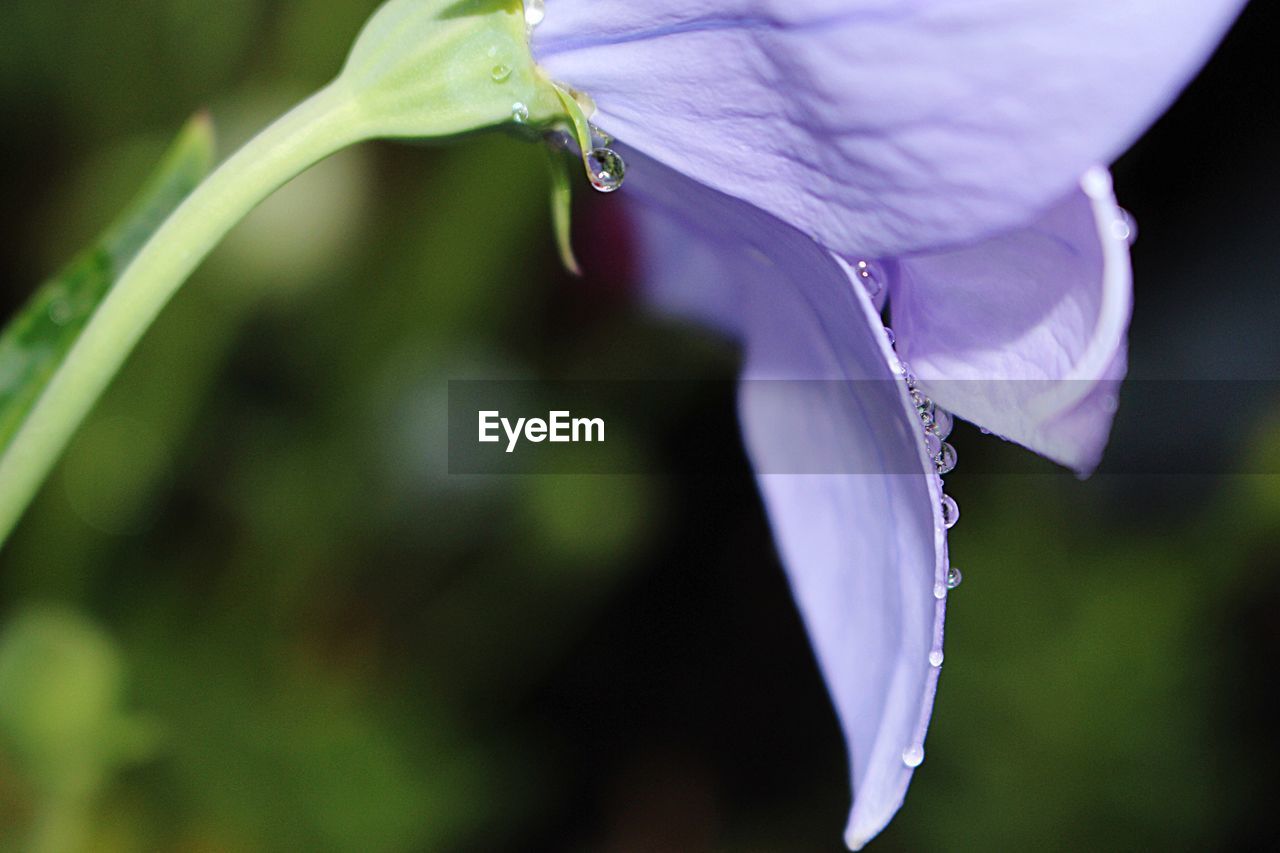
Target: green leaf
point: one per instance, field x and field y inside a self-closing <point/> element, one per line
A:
<point x="37" y="340"/>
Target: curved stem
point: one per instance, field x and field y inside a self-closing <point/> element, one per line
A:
<point x="323" y="124"/>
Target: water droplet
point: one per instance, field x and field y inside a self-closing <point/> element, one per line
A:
<point x="901" y="368"/>
<point x="534" y="12"/>
<point x="61" y="312"/>
<point x="1126" y="227"/>
<point x="946" y="459"/>
<point x="932" y="445"/>
<point x="954" y="577"/>
<point x="867" y="275"/>
<point x="604" y="139"/>
<point x="943" y="423"/>
<point x="925" y="408"/>
<point x="935" y="657"/>
<point x="940" y="591"/>
<point x="950" y="511"/>
<point x="519" y="113"/>
<point x="500" y="73"/>
<point x="888" y="333"/>
<point x="913" y="756"/>
<point x="606" y="169"/>
<point x="1110" y="404"/>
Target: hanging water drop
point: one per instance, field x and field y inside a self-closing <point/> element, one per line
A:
<point x="888" y="333"/>
<point x="519" y="113"/>
<point x="500" y="73"/>
<point x="913" y="756"/>
<point x="943" y="422"/>
<point x="954" y="577"/>
<point x="950" y="511"/>
<point x="602" y="139"/>
<point x="939" y="591"/>
<point x="534" y="12"/>
<point x="605" y="169"/>
<point x="946" y="459"/>
<point x="926" y="410"/>
<point x="935" y="657"/>
<point x="1126" y="227"/>
<point x="867" y="275"/>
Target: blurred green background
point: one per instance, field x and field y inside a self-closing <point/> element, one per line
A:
<point x="250" y="611"/>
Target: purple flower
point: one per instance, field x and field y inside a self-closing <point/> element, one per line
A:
<point x="794" y="166"/>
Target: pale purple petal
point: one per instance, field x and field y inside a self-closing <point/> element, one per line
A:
<point x="882" y="127"/>
<point x="1024" y="334"/>
<point x="864" y="552"/>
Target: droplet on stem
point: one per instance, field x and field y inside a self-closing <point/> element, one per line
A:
<point x="60" y="312"/>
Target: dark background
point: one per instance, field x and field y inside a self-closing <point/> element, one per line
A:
<point x="251" y="612"/>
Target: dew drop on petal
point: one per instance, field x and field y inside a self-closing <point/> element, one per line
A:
<point x="939" y="591"/>
<point x="534" y="12"/>
<point x="950" y="511"/>
<point x="888" y="333"/>
<point x="1126" y="227"/>
<point x="499" y="73"/>
<point x="935" y="657"/>
<point x="913" y="756"/>
<point x="943" y="422"/>
<point x="946" y="459"/>
<point x="954" y="577"/>
<point x="519" y="112"/>
<point x="605" y="169"/>
<point x="867" y="276"/>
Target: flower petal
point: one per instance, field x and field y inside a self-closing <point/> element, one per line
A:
<point x="1024" y="334"/>
<point x="864" y="552"/>
<point x="882" y="127"/>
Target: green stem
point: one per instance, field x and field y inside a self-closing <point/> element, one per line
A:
<point x="325" y="123"/>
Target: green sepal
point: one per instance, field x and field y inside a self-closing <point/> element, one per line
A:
<point x="562" y="210"/>
<point x="434" y="68"/>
